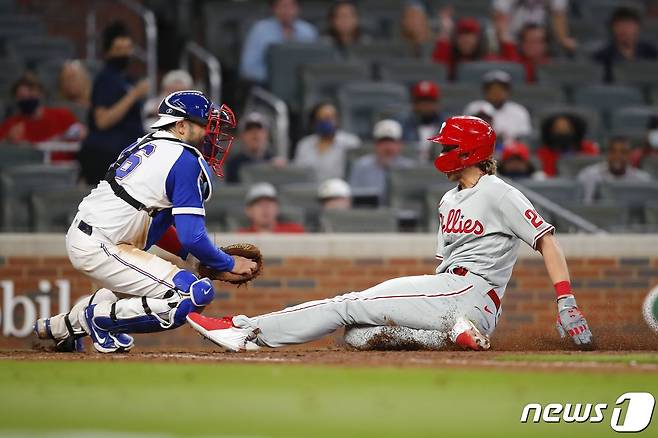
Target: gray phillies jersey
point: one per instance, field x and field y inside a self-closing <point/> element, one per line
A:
<point x="480" y="229"/>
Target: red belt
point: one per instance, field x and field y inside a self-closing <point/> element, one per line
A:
<point x="461" y="271"/>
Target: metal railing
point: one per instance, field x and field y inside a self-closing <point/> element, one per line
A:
<point x="542" y="201"/>
<point x="212" y="64"/>
<point x="148" y="54"/>
<point x="281" y="120"/>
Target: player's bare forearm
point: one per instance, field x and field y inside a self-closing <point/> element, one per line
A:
<point x="556" y="263"/>
<point x="106" y="117"/>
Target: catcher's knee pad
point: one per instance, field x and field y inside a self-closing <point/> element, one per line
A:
<point x="200" y="291"/>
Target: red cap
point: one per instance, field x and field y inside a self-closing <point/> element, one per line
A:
<point x="468" y="25"/>
<point x="425" y="90"/>
<point x="516" y="149"/>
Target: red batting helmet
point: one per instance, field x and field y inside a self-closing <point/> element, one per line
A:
<point x="466" y="141"/>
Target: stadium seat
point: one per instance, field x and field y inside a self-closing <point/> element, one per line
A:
<point x="570" y="166"/>
<point x="632" y="120"/>
<point x="276" y="175"/>
<point x="236" y="219"/>
<point x="10" y="71"/>
<point x="361" y="101"/>
<point x="455" y="97"/>
<point x="570" y="74"/>
<point x="54" y="210"/>
<point x="432" y="199"/>
<point x="34" y="50"/>
<point x="225" y="198"/>
<point x="408" y="72"/>
<point x="17" y="26"/>
<point x="536" y="96"/>
<point x="633" y="194"/>
<point x="381" y="51"/>
<point x="608" y="216"/>
<point x="284" y="63"/>
<point x="472" y="72"/>
<point x="408" y="187"/>
<point x="650" y="164"/>
<point x="472" y="8"/>
<point x="607" y="98"/>
<point x="651" y="213"/>
<point x="558" y="190"/>
<point x="11" y="156"/>
<point x="385" y="14"/>
<point x="359" y="221"/>
<point x="304" y="196"/>
<point x="637" y="74"/>
<point x="17" y="185"/>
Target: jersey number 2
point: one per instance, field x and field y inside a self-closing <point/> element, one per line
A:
<point x="534" y="218"/>
<point x="134" y="160"/>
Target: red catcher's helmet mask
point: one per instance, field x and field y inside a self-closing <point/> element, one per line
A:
<point x="218" y="140"/>
<point x="466" y="141"/>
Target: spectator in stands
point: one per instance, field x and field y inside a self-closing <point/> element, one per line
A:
<point x="650" y="145"/>
<point x="75" y="85"/>
<point x="515" y="162"/>
<point x="262" y="210"/>
<point x="617" y="167"/>
<point x="511" y="120"/>
<point x="370" y="173"/>
<point x="425" y="118"/>
<point x="253" y="147"/>
<point x="172" y="81"/>
<point x="326" y="149"/>
<point x="335" y="194"/>
<point x="510" y="16"/>
<point x="465" y="42"/>
<point x="115" y="118"/>
<point x="35" y="122"/>
<point x="415" y="24"/>
<point x="563" y="135"/>
<point x="625" y="44"/>
<point x="283" y="26"/>
<point x="344" y="31"/>
<point x="533" y="50"/>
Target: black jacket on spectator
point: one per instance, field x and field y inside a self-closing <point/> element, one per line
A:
<point x="102" y="147"/>
<point x="609" y="56"/>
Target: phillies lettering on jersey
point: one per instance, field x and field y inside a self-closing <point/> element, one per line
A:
<point x="456" y="224"/>
<point x="481" y="228"/>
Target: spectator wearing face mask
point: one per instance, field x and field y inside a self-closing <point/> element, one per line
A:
<point x="369" y="173"/>
<point x="34" y="122"/>
<point x="625" y="44"/>
<point x="115" y="117"/>
<point x="650" y="145"/>
<point x="617" y="167"/>
<point x="326" y="149"/>
<point x="563" y="135"/>
<point x="515" y="162"/>
<point x="425" y="118"/>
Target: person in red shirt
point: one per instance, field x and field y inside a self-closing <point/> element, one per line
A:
<point x="262" y="210"/>
<point x="467" y="44"/>
<point x="563" y="134"/>
<point x="35" y="122"/>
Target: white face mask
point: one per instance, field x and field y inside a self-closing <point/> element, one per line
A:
<point x="652" y="137"/>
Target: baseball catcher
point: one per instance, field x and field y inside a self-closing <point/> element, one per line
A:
<point x="482" y="222"/>
<point x="160" y="181"/>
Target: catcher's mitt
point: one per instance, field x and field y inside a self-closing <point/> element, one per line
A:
<point x="246" y="250"/>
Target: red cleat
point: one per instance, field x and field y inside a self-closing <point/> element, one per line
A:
<point x="222" y="332"/>
<point x="466" y="335"/>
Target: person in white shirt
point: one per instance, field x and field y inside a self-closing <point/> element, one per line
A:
<point x="617" y="167"/>
<point x="326" y="149"/>
<point x="511" y="120"/>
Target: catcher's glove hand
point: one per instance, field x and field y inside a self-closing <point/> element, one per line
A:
<point x="246" y="250"/>
<point x="570" y="321"/>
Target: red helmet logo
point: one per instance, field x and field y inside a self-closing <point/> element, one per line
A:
<point x="466" y="141"/>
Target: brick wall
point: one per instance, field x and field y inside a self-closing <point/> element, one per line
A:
<point x="611" y="291"/>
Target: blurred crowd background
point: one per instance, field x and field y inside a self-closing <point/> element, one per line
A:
<point x="335" y="101"/>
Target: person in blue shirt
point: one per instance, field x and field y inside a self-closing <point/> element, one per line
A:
<point x="153" y="194"/>
<point x="283" y="26"/>
<point x="115" y="116"/>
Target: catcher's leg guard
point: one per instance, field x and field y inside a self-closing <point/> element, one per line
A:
<point x="148" y="315"/>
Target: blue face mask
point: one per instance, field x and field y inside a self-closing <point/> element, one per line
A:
<point x="325" y="128"/>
